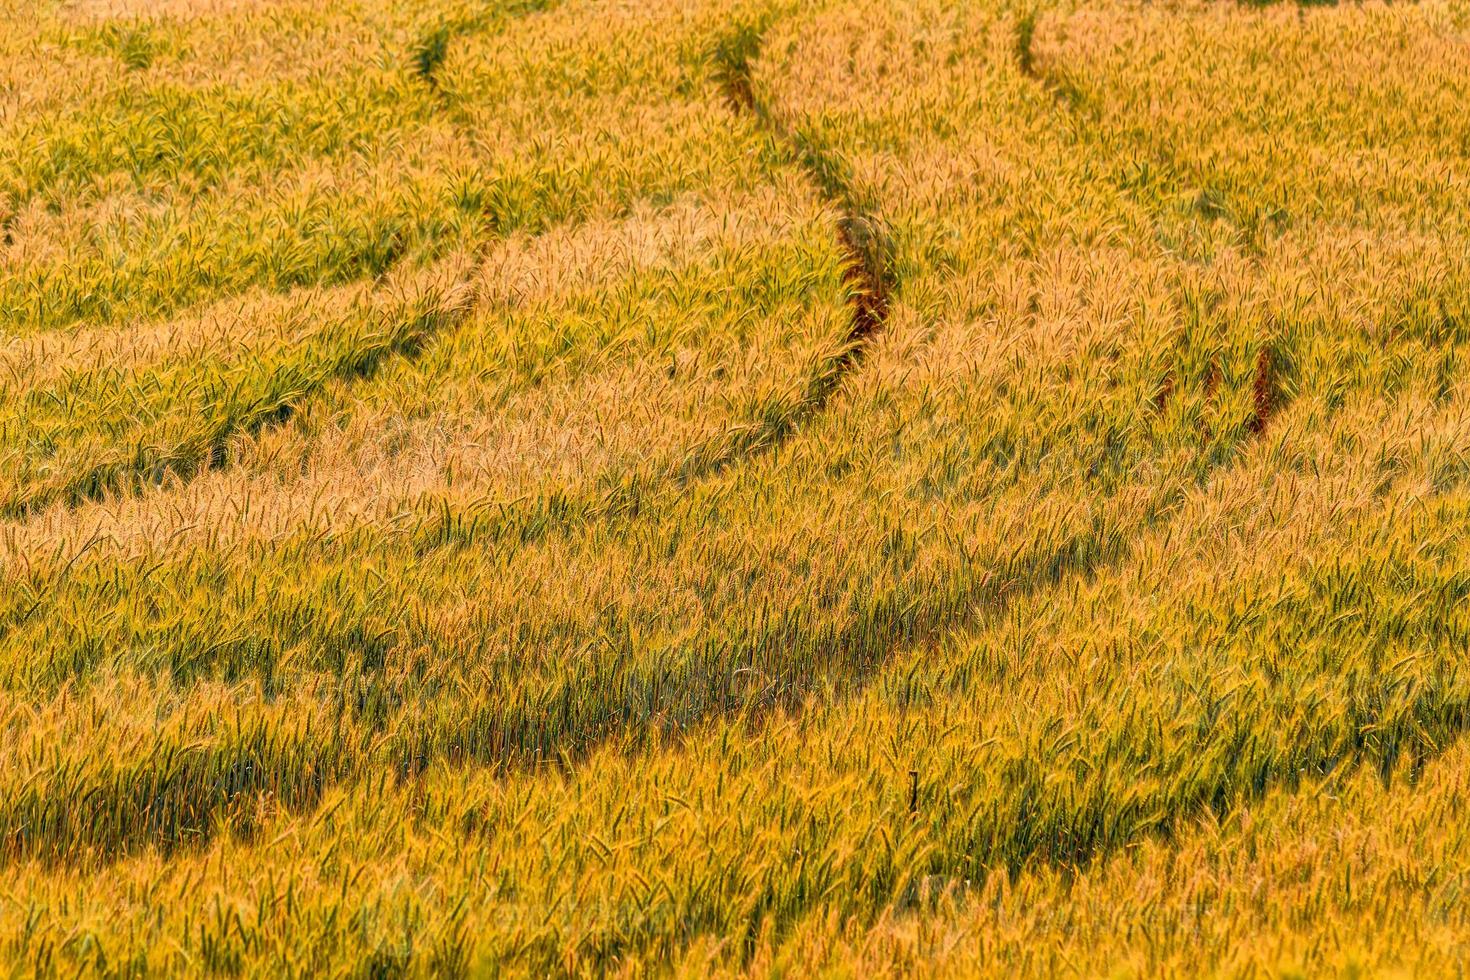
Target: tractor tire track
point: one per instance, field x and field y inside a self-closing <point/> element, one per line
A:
<point x="1270" y="389"/>
<point x="1430" y="726"/>
<point x="860" y="237"/>
<point x="869" y="280"/>
<point x="289" y="387"/>
<point x="282" y="395"/>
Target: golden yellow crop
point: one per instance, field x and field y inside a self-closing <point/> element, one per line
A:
<point x="733" y="487"/>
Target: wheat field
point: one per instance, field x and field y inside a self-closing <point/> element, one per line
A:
<point x="734" y="487"/>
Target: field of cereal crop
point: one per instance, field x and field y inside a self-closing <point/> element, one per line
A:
<point x="739" y="487"/>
